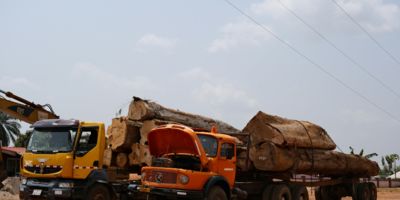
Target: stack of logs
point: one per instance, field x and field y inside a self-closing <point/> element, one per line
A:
<point x="127" y="136"/>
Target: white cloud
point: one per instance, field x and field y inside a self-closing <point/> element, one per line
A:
<point x="109" y="80"/>
<point x="155" y="41"/>
<point x="11" y="83"/>
<point x="237" y="35"/>
<point x="216" y="91"/>
<point x="374" y="15"/>
<point x="220" y="94"/>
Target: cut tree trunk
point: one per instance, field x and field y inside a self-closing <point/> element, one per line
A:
<point x="145" y="155"/>
<point x="123" y="133"/>
<point x="270" y="157"/>
<point x="285" y="132"/>
<point x="121" y="160"/>
<point x="107" y="157"/>
<point x="147" y="126"/>
<point x="145" y="110"/>
<point x="134" y="156"/>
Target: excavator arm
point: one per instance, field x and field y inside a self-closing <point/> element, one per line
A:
<point x="25" y="110"/>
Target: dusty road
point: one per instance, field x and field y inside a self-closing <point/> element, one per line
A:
<point x="383" y="194"/>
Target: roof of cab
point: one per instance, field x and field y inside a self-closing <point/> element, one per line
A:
<point x="56" y="123"/>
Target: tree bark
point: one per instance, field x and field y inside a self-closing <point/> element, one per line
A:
<point x="146" y="110"/>
<point x="147" y="126"/>
<point x="134" y="156"/>
<point x="107" y="157"/>
<point x="285" y="132"/>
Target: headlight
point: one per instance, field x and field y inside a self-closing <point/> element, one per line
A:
<point x="23" y="181"/>
<point x="66" y="185"/>
<point x="183" y="179"/>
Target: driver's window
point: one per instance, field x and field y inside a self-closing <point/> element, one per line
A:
<point x="227" y="151"/>
<point x="87" y="140"/>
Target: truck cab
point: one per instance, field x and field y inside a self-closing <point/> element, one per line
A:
<point x="62" y="158"/>
<point x="190" y="164"/>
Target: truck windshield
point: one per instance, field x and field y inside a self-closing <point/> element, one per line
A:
<point x="210" y="145"/>
<point x="51" y="140"/>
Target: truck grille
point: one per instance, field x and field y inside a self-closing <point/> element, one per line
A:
<point x="46" y="170"/>
<point x="161" y="177"/>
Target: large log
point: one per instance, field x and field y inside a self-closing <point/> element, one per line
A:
<point x="107" y="157"/>
<point x="134" y="156"/>
<point x="147" y="126"/>
<point x="274" y="158"/>
<point x="123" y="133"/>
<point x="285" y="132"/>
<point x="145" y="110"/>
<point x="121" y="160"/>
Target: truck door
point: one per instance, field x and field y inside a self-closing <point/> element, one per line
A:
<point x="227" y="162"/>
<point x="88" y="152"/>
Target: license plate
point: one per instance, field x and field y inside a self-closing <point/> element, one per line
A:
<point x="36" y="192"/>
<point x="58" y="192"/>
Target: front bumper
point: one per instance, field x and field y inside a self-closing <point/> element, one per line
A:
<point x="173" y="193"/>
<point x="45" y="189"/>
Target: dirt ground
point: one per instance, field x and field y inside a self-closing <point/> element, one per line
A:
<point x="383" y="194"/>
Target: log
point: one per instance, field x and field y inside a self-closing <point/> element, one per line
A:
<point x="146" y="110"/>
<point x="147" y="126"/>
<point x="107" y="157"/>
<point x="134" y="156"/>
<point x="121" y="160"/>
<point x="286" y="132"/>
<point x="273" y="158"/>
<point x="145" y="155"/>
<point x="123" y="133"/>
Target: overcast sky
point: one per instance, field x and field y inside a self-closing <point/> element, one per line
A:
<point x="88" y="58"/>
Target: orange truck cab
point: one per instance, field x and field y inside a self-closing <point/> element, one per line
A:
<point x="190" y="164"/>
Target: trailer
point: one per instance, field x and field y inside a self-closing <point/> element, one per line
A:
<point x="192" y="164"/>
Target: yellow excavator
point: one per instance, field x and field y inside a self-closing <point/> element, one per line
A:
<point x="24" y="110"/>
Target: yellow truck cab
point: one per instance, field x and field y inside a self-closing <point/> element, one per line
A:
<point x="64" y="159"/>
<point x="189" y="164"/>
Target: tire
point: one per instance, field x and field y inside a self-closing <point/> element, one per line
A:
<point x="363" y="191"/>
<point x="98" y="192"/>
<point x="299" y="192"/>
<point x="267" y="192"/>
<point x="326" y="193"/>
<point x="216" y="193"/>
<point x="373" y="191"/>
<point x="281" y="192"/>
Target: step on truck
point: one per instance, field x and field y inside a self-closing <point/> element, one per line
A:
<point x="190" y="164"/>
<point x="64" y="159"/>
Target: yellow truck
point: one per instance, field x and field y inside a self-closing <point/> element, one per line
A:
<point x="64" y="159"/>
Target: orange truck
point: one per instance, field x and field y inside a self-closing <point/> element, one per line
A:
<point x="192" y="164"/>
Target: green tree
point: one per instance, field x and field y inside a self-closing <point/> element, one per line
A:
<point x="361" y="154"/>
<point x="23" y="139"/>
<point x="389" y="164"/>
<point x="9" y="129"/>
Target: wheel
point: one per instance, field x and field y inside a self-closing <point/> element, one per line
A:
<point x="299" y="192"/>
<point x="317" y="193"/>
<point x="216" y="193"/>
<point x="281" y="192"/>
<point x="363" y="192"/>
<point x="373" y="192"/>
<point x="326" y="193"/>
<point x="98" y="192"/>
<point x="267" y="192"/>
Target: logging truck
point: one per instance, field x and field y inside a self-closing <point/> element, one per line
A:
<point x="203" y="165"/>
<point x="64" y="159"/>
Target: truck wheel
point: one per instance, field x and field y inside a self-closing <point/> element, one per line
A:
<point x="363" y="192"/>
<point x="281" y="192"/>
<point x="98" y="192"/>
<point x="299" y="192"/>
<point x="216" y="193"/>
<point x="373" y="192"/>
<point x="325" y="193"/>
<point x="267" y="192"/>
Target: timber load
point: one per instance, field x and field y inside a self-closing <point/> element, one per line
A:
<point x="127" y="135"/>
<point x="276" y="144"/>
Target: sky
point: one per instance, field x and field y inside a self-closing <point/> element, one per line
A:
<point x="89" y="58"/>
